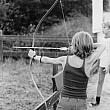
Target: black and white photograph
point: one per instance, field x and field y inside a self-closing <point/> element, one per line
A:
<point x="54" y="54"/>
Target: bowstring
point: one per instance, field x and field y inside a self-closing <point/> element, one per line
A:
<point x="65" y="25"/>
<point x="34" y="34"/>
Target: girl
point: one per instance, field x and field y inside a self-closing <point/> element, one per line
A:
<point x="76" y="70"/>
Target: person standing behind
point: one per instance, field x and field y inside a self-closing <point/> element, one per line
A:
<point x="76" y="70"/>
<point x="104" y="62"/>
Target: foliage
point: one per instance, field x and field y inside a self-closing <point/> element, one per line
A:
<point x="3" y="11"/>
<point x="22" y="16"/>
<point x="106" y="5"/>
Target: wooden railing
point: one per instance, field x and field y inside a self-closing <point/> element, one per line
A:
<point x="26" y="41"/>
<point x="15" y="40"/>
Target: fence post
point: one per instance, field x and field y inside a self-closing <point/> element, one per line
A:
<point x="55" y="71"/>
<point x="1" y="47"/>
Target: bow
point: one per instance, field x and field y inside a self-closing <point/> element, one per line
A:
<point x="34" y="34"/>
<point x="33" y="42"/>
<point x="64" y="48"/>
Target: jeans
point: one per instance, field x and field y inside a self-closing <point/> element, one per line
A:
<point x="66" y="103"/>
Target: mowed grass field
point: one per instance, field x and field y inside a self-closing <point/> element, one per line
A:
<point x="17" y="91"/>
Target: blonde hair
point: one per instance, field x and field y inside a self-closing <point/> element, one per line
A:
<point x="82" y="44"/>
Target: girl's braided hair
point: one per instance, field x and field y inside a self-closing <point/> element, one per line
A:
<point x="82" y="44"/>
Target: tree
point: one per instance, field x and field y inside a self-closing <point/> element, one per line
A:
<point x="3" y="10"/>
<point x="106" y="5"/>
<point x="29" y="12"/>
<point x="22" y="12"/>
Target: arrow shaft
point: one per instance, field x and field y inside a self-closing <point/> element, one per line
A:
<point x="45" y="48"/>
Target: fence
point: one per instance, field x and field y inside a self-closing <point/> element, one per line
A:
<point x="8" y="41"/>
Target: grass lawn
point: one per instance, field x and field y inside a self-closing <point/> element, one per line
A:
<point x="17" y="91"/>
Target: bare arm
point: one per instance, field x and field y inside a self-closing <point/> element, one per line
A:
<point x="45" y="59"/>
<point x="96" y="45"/>
<point x="97" y="52"/>
<point x="89" y="64"/>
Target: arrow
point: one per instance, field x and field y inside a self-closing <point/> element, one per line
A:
<point x="45" y="48"/>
